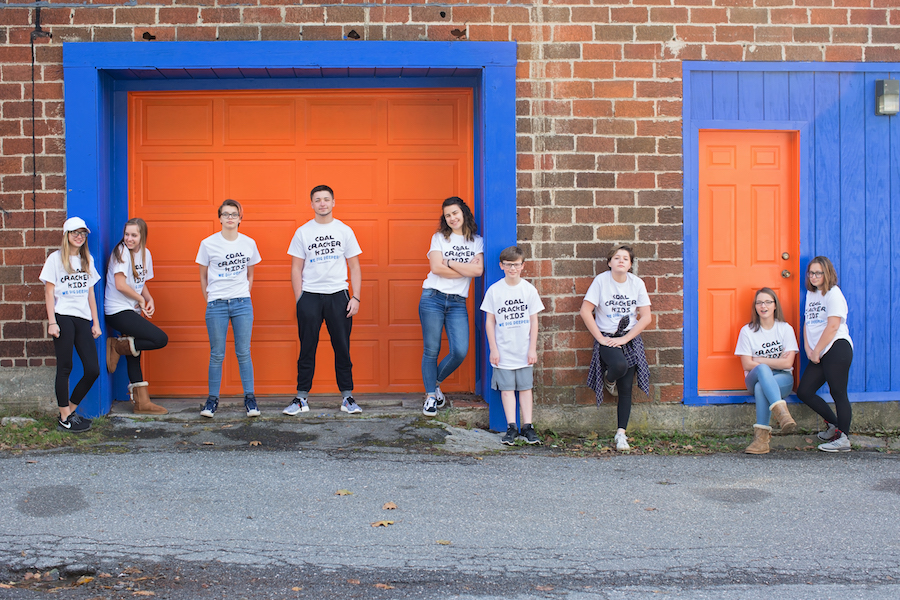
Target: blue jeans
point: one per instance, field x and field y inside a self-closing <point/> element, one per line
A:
<point x="768" y="387"/>
<point x="438" y="311"/>
<point x="218" y="313"/>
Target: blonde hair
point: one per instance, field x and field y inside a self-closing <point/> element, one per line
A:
<point x="120" y="247"/>
<point x="64" y="250"/>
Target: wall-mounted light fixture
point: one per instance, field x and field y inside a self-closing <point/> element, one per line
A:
<point x="887" y="97"/>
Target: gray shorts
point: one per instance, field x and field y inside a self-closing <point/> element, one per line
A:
<point x="518" y="380"/>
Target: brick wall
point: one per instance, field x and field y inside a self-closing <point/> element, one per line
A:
<point x="599" y="129"/>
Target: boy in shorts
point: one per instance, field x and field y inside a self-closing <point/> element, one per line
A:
<point x="512" y="305"/>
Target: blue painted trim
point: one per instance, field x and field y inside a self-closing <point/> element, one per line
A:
<point x="273" y="55"/>
<point x="791" y="67"/>
<point x="97" y="77"/>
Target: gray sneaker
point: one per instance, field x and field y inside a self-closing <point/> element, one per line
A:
<point x="829" y="433"/>
<point x="299" y="405"/>
<point x="611" y="387"/>
<point x="841" y="444"/>
<point x="350" y="406"/>
<point x="430" y="408"/>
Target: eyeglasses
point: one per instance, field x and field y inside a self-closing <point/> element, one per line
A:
<point x="230" y="215"/>
<point x="765" y="302"/>
<point x="514" y="266"/>
<point x="816" y="273"/>
<point x="81" y="233"/>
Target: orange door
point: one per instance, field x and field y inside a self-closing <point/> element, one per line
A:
<point x="391" y="157"/>
<point x="749" y="238"/>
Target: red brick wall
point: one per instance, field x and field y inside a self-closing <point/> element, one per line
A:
<point x="599" y="129"/>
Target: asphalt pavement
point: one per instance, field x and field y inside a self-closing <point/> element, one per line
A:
<point x="396" y="507"/>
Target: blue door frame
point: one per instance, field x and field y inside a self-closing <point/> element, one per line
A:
<point x="812" y="99"/>
<point x="97" y="77"/>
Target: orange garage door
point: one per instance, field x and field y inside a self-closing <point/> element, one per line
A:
<point x="391" y="157"/>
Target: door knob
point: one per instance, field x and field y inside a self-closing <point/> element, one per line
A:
<point x="785" y="273"/>
<point x="785" y="256"/>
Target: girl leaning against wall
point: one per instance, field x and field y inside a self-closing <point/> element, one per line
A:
<point x="129" y="306"/>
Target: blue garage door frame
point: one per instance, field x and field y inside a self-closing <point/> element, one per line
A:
<point x="849" y="173"/>
<point x="98" y="76"/>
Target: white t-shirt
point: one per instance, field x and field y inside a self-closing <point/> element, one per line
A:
<point x="512" y="306"/>
<point x="614" y="300"/>
<point x="324" y="249"/>
<point x="70" y="291"/>
<point x="458" y="249"/>
<point x="227" y="262"/>
<point x="116" y="301"/>
<point x="764" y="343"/>
<point x="818" y="309"/>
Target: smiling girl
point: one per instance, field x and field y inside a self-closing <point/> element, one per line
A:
<point x="456" y="256"/>
<point x="767" y="347"/>
<point x="129" y="306"/>
<point x="69" y="276"/>
<point x="616" y="309"/>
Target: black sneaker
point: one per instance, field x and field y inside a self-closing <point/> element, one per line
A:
<point x="509" y="438"/>
<point x="73" y="424"/>
<point x="530" y="434"/>
<point x="209" y="409"/>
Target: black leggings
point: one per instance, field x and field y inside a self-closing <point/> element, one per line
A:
<point x="617" y="370"/>
<point x="833" y="368"/>
<point x="147" y="336"/>
<point x="74" y="332"/>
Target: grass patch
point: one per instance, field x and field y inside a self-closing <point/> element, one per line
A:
<point x="641" y="444"/>
<point x="41" y="434"/>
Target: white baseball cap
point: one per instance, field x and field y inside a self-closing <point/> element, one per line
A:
<point x="74" y="224"/>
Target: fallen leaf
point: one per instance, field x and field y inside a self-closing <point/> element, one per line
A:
<point x="384" y="586"/>
<point x="83" y="580"/>
<point x="389" y="506"/>
<point x="30" y="462"/>
<point x="649" y="509"/>
<point x="296" y="588"/>
<point x="479" y="458"/>
<point x="143" y="593"/>
<point x="227" y="426"/>
<point x="544" y="588"/>
<point x="343" y="493"/>
<point x="103" y="575"/>
<point x="382" y="523"/>
<point x="443" y="542"/>
<point x="4" y="586"/>
<point x="208" y="444"/>
<point x="353" y="581"/>
<point x="256" y="443"/>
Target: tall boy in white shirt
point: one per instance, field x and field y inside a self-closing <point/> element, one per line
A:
<point x="511" y="324"/>
<point x="322" y="251"/>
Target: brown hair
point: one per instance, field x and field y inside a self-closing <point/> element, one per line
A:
<point x="626" y="248"/>
<point x="754" y="318"/>
<point x="121" y="247"/>
<point x="829" y="277"/>
<point x="235" y="204"/>
<point x="321" y="188"/>
<point x="512" y="254"/>
<point x="469" y="227"/>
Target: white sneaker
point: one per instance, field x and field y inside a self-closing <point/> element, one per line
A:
<point x="439" y="396"/>
<point x="430" y="408"/>
<point x="621" y="440"/>
<point x="841" y="444"/>
<point x="611" y="387"/>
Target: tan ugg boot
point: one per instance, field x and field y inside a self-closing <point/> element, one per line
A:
<point x="140" y="400"/>
<point x="760" y="443"/>
<point x="112" y="356"/>
<point x="125" y="345"/>
<point x="783" y="416"/>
